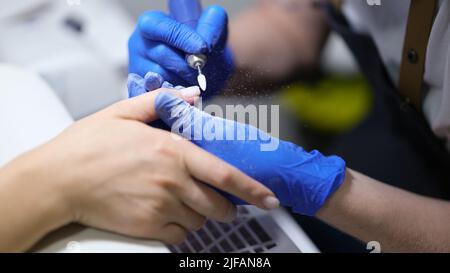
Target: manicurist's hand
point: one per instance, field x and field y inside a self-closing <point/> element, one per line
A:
<point x="159" y="45"/>
<point x="301" y="180"/>
<point x="114" y="172"/>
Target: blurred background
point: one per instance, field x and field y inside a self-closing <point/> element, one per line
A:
<point x="80" y="48"/>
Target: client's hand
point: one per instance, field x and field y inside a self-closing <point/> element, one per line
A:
<point x="112" y="171"/>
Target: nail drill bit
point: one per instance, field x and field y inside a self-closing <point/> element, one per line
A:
<point x="198" y="61"/>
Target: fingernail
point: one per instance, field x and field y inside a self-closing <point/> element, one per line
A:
<point x="190" y="92"/>
<point x="271" y="203"/>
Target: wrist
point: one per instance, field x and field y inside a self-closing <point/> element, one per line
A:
<point x="317" y="179"/>
<point x="31" y="208"/>
<point x="336" y="203"/>
<point x="32" y="179"/>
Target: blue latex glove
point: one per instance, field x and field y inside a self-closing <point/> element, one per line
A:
<point x="151" y="81"/>
<point x="160" y="44"/>
<point x="301" y="180"/>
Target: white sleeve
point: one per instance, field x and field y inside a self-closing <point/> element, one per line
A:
<point x="30" y="112"/>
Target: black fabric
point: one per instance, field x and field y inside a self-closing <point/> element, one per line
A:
<point x="394" y="144"/>
<point x="400" y="123"/>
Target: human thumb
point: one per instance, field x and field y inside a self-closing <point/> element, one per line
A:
<point x="142" y="108"/>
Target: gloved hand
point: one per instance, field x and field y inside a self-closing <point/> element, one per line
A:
<point x="138" y="85"/>
<point x="152" y="81"/>
<point x="160" y="44"/>
<point x="301" y="180"/>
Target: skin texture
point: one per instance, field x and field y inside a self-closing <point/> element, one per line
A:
<point x="363" y="207"/>
<point x="400" y="221"/>
<point x="114" y="172"/>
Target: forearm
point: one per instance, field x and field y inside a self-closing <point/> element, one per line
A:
<point x="400" y="221"/>
<point x="30" y="207"/>
<point x="286" y="37"/>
